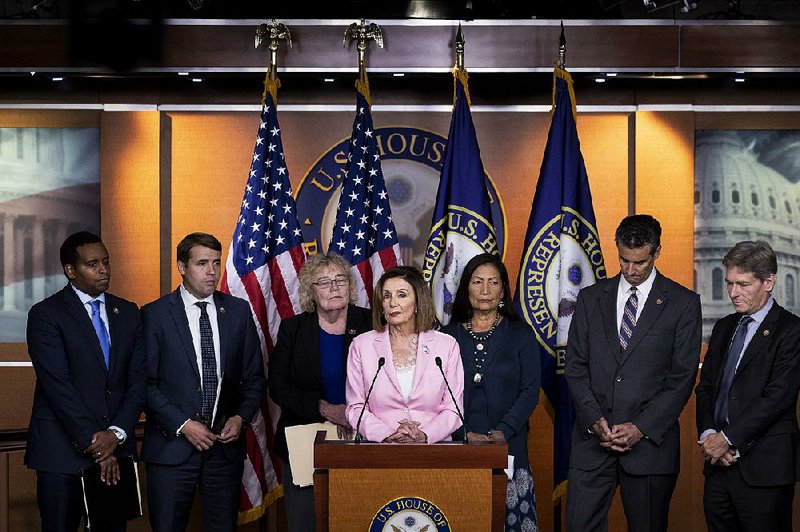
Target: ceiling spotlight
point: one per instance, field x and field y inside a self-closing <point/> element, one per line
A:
<point x="738" y="79"/>
<point x="58" y="78"/>
<point x="611" y="74"/>
<point x="328" y="80"/>
<point x="197" y="80"/>
<point x="183" y="73"/>
<point x="399" y="74"/>
<point x="599" y="80"/>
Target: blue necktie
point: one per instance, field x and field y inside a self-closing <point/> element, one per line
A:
<point x="728" y="372"/>
<point x="100" y="329"/>
<point x="209" y="364"/>
<point x="628" y="319"/>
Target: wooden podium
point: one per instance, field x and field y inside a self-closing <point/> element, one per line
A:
<point x="359" y="486"/>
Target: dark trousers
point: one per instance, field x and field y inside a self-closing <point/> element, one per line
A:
<point x="645" y="498"/>
<point x="171" y="491"/>
<point x="300" y="511"/>
<point x="731" y="505"/>
<point x="60" y="500"/>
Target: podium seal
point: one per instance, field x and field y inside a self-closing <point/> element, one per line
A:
<point x="409" y="514"/>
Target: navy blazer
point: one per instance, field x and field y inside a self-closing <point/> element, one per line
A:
<point x="648" y="384"/>
<point x="295" y="372"/>
<point x="511" y="378"/>
<point x="76" y="395"/>
<point x="174" y="394"/>
<point x="762" y="399"/>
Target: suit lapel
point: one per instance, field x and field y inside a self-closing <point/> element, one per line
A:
<point x="309" y="335"/>
<point x="383" y="348"/>
<point x="178" y="314"/>
<point x="760" y="339"/>
<point x="224" y="330"/>
<point x="609" y="305"/>
<point x="112" y="311"/>
<point x="76" y="309"/>
<point x="425" y="356"/>
<point x="656" y="301"/>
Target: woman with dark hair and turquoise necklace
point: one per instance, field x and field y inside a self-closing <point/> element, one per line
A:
<point x="501" y="375"/>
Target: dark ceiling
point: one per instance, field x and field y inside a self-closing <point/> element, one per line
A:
<point x="389" y="9"/>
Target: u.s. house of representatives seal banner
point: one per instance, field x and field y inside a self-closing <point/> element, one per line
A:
<point x="411" y="160"/>
<point x="409" y="514"/>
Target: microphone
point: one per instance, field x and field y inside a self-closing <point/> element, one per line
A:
<point x="453" y="397"/>
<point x="381" y="362"/>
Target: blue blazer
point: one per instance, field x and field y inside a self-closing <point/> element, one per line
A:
<point x="173" y="378"/>
<point x="511" y="380"/>
<point x="76" y="395"/>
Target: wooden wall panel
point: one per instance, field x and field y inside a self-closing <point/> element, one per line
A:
<point x="129" y="198"/>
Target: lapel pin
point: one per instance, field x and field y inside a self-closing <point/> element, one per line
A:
<point x="222" y="310"/>
<point x="425" y="349"/>
<point x="659" y="301"/>
<point x="766" y="332"/>
<point x="115" y="310"/>
<point x="351" y="332"/>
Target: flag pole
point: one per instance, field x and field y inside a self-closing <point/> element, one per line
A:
<point x="275" y="32"/>
<point x="561" y="64"/>
<point x="362" y="33"/>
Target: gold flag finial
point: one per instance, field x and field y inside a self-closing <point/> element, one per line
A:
<point x="562" y="49"/>
<point x="361" y="33"/>
<point x="275" y="33"/>
<point x="460" y="41"/>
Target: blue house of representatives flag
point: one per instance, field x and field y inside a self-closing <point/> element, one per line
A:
<point x="364" y="232"/>
<point x="560" y="256"/>
<point x="462" y="224"/>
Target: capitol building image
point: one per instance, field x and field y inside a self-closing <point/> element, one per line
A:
<point x="745" y="189"/>
<point x="49" y="189"/>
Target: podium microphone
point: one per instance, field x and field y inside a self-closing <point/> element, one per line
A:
<point x="453" y="397"/>
<point x="381" y="362"/>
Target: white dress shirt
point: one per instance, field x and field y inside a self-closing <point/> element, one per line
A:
<point x="86" y="300"/>
<point x="642" y="293"/>
<point x="193" y="317"/>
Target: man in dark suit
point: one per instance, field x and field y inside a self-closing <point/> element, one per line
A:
<point x="746" y="401"/>
<point x="632" y="355"/>
<point x="205" y="382"/>
<point x="87" y="351"/>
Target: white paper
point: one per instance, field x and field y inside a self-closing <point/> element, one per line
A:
<point x="509" y="471"/>
<point x="300" y="441"/>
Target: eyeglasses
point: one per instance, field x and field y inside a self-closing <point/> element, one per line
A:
<point x="328" y="283"/>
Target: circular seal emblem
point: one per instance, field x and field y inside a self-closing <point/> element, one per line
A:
<point x="411" y="160"/>
<point x="563" y="257"/>
<point x="409" y="514"/>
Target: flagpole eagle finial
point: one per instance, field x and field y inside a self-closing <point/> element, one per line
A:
<point x="361" y="33"/>
<point x="273" y="33"/>
<point x="460" y="41"/>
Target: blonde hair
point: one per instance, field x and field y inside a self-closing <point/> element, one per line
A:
<point x="308" y="276"/>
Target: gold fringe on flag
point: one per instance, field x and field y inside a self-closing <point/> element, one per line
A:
<point x="362" y="84"/>
<point x="270" y="86"/>
<point x="563" y="74"/>
<point x="461" y="75"/>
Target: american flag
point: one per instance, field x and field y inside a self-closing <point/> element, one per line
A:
<point x="364" y="232"/>
<point x="265" y="256"/>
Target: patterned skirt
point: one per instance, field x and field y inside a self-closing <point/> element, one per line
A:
<point x="521" y="502"/>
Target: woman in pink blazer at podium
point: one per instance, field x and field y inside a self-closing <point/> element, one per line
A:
<point x="408" y="361"/>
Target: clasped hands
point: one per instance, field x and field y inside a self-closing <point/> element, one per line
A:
<point x="336" y="415"/>
<point x="619" y="438"/>
<point x="102" y="447"/>
<point x="716" y="449"/>
<point x="408" y="431"/>
<point x="201" y="437"/>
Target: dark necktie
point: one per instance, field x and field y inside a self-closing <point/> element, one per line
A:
<point x="728" y="372"/>
<point x="209" y="364"/>
<point x="100" y="330"/>
<point x="628" y="324"/>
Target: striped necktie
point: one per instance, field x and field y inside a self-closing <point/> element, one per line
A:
<point x="628" y="324"/>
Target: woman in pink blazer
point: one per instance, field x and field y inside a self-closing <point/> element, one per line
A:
<point x="409" y="402"/>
